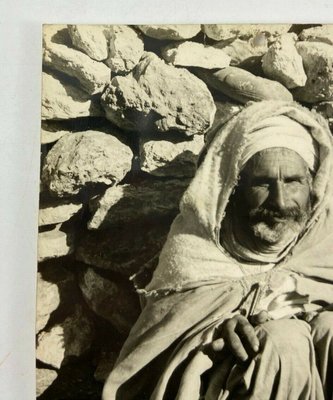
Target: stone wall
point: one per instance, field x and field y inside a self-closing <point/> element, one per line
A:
<point x="125" y="110"/>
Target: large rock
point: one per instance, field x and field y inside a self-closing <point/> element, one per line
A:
<point x="126" y="104"/>
<point x="44" y="378"/>
<point x="244" y="31"/>
<point x="48" y="300"/>
<point x="243" y="86"/>
<point x="318" y="64"/>
<point x="82" y="158"/>
<point x="181" y="101"/>
<point x="64" y="100"/>
<point x="167" y="158"/>
<point x="58" y="212"/>
<point x="125" y="248"/>
<point x="192" y="54"/>
<point x="54" y="243"/>
<point x="117" y="302"/>
<point x="48" y="136"/>
<point x="283" y="63"/>
<point x="56" y="33"/>
<point x="92" y="75"/>
<point x="126" y="48"/>
<point x="123" y="204"/>
<point x="170" y="32"/>
<point x="90" y="39"/>
<point x="322" y="33"/>
<point x="72" y="337"/>
<point x="241" y="51"/>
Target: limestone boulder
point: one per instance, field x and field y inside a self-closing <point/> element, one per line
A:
<point x="244" y="31"/>
<point x="125" y="48"/>
<point x="49" y="136"/>
<point x="168" y="158"/>
<point x="318" y="64"/>
<point x="241" y="51"/>
<point x="322" y="33"/>
<point x="56" y="33"/>
<point x="44" y="378"/>
<point x="283" y="63"/>
<point x="54" y="243"/>
<point x="48" y="300"/>
<point x="92" y="75"/>
<point x="90" y="39"/>
<point x="124" y="248"/>
<point x="57" y="212"/>
<point x="83" y="158"/>
<point x="126" y="104"/>
<point x="72" y="337"/>
<point x="123" y="204"/>
<point x="63" y="100"/>
<point x="181" y="101"/>
<point x="243" y="86"/>
<point x="170" y="32"/>
<point x="115" y="301"/>
<point x="192" y="54"/>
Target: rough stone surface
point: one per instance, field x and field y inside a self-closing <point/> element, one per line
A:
<point x="49" y="136"/>
<point x="125" y="248"/>
<point x="63" y="100"/>
<point x="283" y="63"/>
<point x="170" y="32"/>
<point x="243" y="50"/>
<point x="244" y="31"/>
<point x="126" y="104"/>
<point x="322" y="33"/>
<point x="72" y="337"/>
<point x="92" y="75"/>
<point x="181" y="100"/>
<point x="44" y="379"/>
<point x="56" y="33"/>
<point x="318" y="64"/>
<point x="126" y="49"/>
<point x="54" y="243"/>
<point x="243" y="86"/>
<point x="57" y="213"/>
<point x="114" y="301"/>
<point x="191" y="54"/>
<point x="83" y="158"/>
<point x="48" y="299"/>
<point x="123" y="203"/>
<point x="90" y="39"/>
<point x="165" y="158"/>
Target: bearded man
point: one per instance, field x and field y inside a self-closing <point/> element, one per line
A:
<point x="239" y="305"/>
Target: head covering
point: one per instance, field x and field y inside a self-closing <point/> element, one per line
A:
<point x="281" y="131"/>
<point x="193" y="253"/>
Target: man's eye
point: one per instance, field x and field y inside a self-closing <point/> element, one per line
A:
<point x="293" y="180"/>
<point x="260" y="182"/>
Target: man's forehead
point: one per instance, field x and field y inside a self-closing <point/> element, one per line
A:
<point x="274" y="161"/>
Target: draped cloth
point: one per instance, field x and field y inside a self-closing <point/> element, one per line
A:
<point x="197" y="285"/>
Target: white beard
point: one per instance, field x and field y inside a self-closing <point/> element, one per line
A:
<point x="281" y="232"/>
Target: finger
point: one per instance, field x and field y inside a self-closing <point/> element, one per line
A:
<point x="248" y="335"/>
<point x="236" y="346"/>
<point x="218" y="344"/>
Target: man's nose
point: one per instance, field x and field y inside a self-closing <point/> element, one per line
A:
<point x="278" y="195"/>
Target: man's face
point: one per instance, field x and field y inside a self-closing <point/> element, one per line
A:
<point x="274" y="194"/>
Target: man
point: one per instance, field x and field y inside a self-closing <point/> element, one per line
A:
<point x="239" y="305"/>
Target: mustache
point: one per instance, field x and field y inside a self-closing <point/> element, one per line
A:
<point x="263" y="214"/>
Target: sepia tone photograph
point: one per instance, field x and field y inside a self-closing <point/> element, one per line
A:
<point x="185" y="227"/>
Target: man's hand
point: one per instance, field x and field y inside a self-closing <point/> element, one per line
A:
<point x="239" y="335"/>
